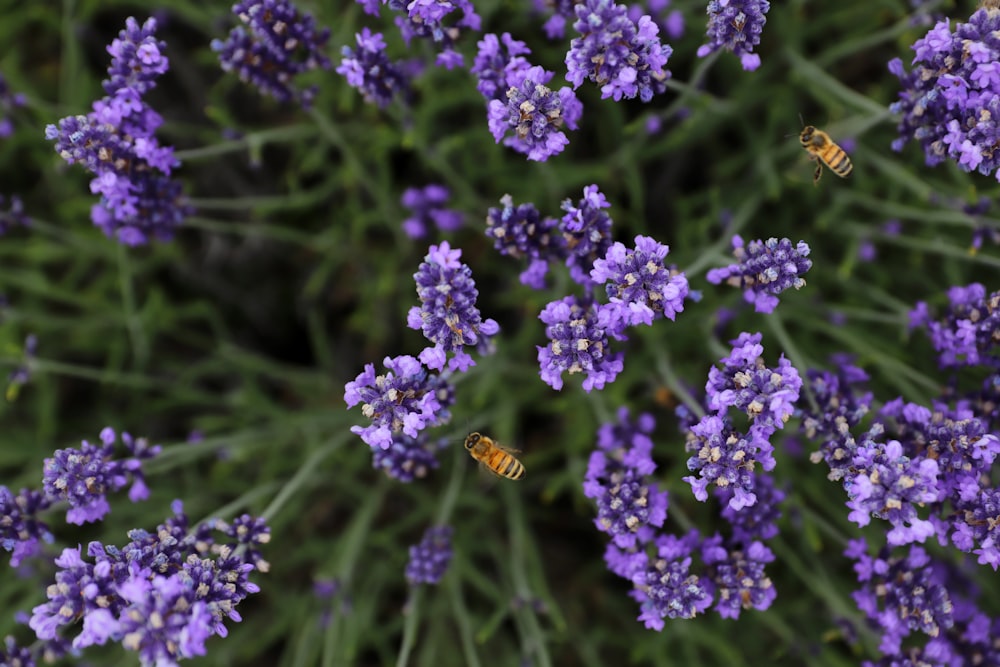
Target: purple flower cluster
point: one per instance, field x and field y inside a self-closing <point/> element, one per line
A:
<point x="764" y="269"/>
<point x="625" y="58"/>
<point x="639" y="285"/>
<point x="586" y="227"/>
<point x="427" y="19"/>
<point x="407" y="458"/>
<point x="736" y="25"/>
<point x="580" y="333"/>
<point x="21" y="531"/>
<point x="8" y="102"/>
<point x="724" y="456"/>
<point x="115" y="142"/>
<point x="668" y="583"/>
<point x="496" y="59"/>
<point x="670" y="23"/>
<point x="162" y="595"/>
<point x="447" y="313"/>
<point x="534" y="113"/>
<point x="901" y="594"/>
<point x="12" y="214"/>
<point x="82" y="477"/>
<point x="429" y="559"/>
<point x="967" y="335"/>
<point x="428" y="207"/>
<point x="521" y="231"/>
<point x="629" y="507"/>
<point x="840" y="409"/>
<point x="275" y="44"/>
<point x="950" y="96"/>
<point x="562" y="12"/>
<point x="405" y="399"/>
<point x="370" y="71"/>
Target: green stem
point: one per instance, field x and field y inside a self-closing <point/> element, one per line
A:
<point x="719" y="248"/>
<point x="410" y="625"/>
<point x="252" y="141"/>
<point x="454" y="586"/>
<point x="454" y="486"/>
<point x="669" y="377"/>
<point x="307" y="468"/>
<point x="518" y="546"/>
<point x="140" y="343"/>
<point x="251" y="230"/>
<point x="777" y="327"/>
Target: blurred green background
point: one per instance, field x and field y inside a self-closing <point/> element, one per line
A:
<point x="294" y="273"/>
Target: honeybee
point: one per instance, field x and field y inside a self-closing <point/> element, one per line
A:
<point x="495" y="458"/>
<point x="822" y="148"/>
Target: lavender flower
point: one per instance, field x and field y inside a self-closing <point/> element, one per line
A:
<point x="666" y="588"/>
<point x="768" y="396"/>
<point x="448" y="315"/>
<point x="949" y="98"/>
<point x="535" y="113"/>
<point x="370" y="71"/>
<point x="738" y="576"/>
<point x="671" y="24"/>
<point x="12" y="655"/>
<point x="735" y="25"/>
<point x="628" y="505"/>
<point x="84" y="476"/>
<point x="115" y="142"/>
<point x="493" y="67"/>
<point x="562" y="11"/>
<point x="9" y="101"/>
<point x="579" y="335"/>
<point x="840" y="409"/>
<point x="21" y="531"/>
<point x="428" y="208"/>
<point x="639" y="284"/>
<point x="764" y="269"/>
<point x="758" y="521"/>
<point x="900" y="594"/>
<point x="625" y="58"/>
<point x="587" y="230"/>
<point x="275" y="44"/>
<point x="407" y="398"/>
<point x="522" y="232"/>
<point x="886" y="483"/>
<point x="967" y="335"/>
<point x="426" y="19"/>
<point x="14" y="215"/>
<point x="407" y="458"/>
<point x="726" y="459"/>
<point x="430" y="558"/>
<point x="162" y="595"/>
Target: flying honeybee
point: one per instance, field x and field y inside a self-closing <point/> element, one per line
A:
<point x="822" y="148"/>
<point x="498" y="460"/>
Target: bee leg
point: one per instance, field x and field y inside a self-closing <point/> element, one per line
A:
<point x="818" y="173"/>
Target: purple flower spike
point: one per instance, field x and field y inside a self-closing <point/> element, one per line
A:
<point x="739" y="576"/>
<point x="735" y="25"/>
<point x="497" y="59"/>
<point x="426" y="19"/>
<point x="8" y="102"/>
<point x="448" y="315"/>
<point x="407" y="458"/>
<point x="405" y="399"/>
<point x="726" y="459"/>
<point x="163" y="620"/>
<point x="967" y="335"/>
<point x="639" y="284"/>
<point x="370" y="71"/>
<point x="764" y="269"/>
<point x="768" y="396"/>
<point x="275" y="44"/>
<point x="84" y="476"/>
<point x="14" y="215"/>
<point x="950" y="97"/>
<point x="430" y="558"/>
<point x="667" y="588"/>
<point x="628" y="506"/>
<point x="115" y="142"/>
<point x="586" y="227"/>
<point x="521" y="232"/>
<point x="535" y="113"/>
<point x="21" y="531"/>
<point x="625" y="58"/>
<point x="562" y="13"/>
<point x="428" y="206"/>
<point x="579" y="342"/>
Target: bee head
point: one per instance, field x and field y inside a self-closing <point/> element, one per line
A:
<point x="471" y="441"/>
<point x="806" y="135"/>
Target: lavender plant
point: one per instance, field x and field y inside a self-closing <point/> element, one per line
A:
<point x="809" y="484"/>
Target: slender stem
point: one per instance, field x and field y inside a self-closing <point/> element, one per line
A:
<point x="454" y="486"/>
<point x="666" y="371"/>
<point x="777" y="327"/>
<point x="250" y="141"/>
<point x="140" y="343"/>
<point x="518" y="540"/>
<point x="454" y="586"/>
<point x="410" y="625"/>
<point x="305" y="470"/>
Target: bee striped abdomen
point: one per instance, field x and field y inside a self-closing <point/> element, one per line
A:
<point x="835" y="158"/>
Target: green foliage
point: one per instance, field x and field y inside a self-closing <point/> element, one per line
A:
<point x="295" y="273"/>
